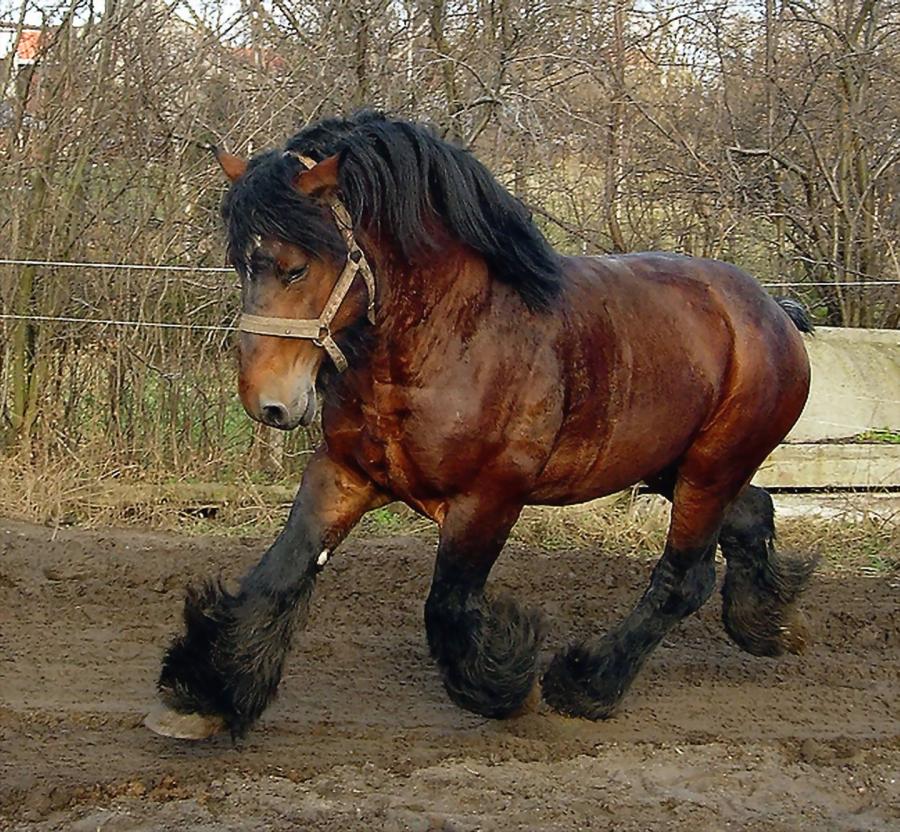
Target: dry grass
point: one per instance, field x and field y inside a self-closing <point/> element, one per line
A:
<point x="867" y="545"/>
<point x="93" y="494"/>
<point x="865" y="542"/>
<point x="623" y="523"/>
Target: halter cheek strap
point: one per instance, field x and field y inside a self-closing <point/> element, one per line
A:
<point x="318" y="330"/>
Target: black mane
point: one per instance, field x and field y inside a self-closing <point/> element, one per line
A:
<point x="395" y="174"/>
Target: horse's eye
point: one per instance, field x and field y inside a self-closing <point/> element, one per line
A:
<point x="296" y="274"/>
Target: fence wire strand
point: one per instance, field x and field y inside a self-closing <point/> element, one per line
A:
<point x="177" y="267"/>
<point x="153" y="267"/>
<point x="114" y="322"/>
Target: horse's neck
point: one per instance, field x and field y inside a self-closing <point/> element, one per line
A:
<point x="449" y="282"/>
<point x="420" y="306"/>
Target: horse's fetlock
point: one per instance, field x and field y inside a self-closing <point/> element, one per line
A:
<point x="588" y="682"/>
<point x="759" y="605"/>
<point x="487" y="652"/>
<point x="229" y="660"/>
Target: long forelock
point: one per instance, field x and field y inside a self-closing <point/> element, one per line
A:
<point x="264" y="204"/>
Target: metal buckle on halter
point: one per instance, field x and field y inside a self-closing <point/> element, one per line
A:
<point x="323" y="336"/>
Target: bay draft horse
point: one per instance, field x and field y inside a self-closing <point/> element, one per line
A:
<point x="484" y="372"/>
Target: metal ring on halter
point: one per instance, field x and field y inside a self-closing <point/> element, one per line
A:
<point x="324" y="335"/>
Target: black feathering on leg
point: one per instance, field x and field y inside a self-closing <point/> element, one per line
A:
<point x="762" y="587"/>
<point x="760" y="597"/>
<point x="230" y="659"/>
<point x="589" y="679"/>
<point x="485" y="648"/>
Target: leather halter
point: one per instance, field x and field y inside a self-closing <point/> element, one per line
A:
<point x="318" y="330"/>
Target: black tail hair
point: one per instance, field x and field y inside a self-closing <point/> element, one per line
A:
<point x="798" y="313"/>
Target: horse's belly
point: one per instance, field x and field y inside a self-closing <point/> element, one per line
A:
<point x="584" y="473"/>
<point x="599" y="455"/>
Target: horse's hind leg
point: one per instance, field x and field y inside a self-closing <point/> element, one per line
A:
<point x="761" y="588"/>
<point x="590" y="678"/>
<point x="486" y="648"/>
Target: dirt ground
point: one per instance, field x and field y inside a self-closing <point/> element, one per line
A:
<point x="363" y="738"/>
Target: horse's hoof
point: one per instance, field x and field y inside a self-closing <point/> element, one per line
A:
<point x="168" y="723"/>
<point x="572" y="690"/>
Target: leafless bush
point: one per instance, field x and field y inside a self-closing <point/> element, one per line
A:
<point x="763" y="133"/>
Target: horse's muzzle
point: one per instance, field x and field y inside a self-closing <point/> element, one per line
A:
<point x="283" y="416"/>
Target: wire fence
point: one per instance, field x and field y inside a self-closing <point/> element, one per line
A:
<point x="157" y="267"/>
<point x="181" y="267"/>
<point x="154" y="400"/>
<point x="189" y="269"/>
<point x="112" y="322"/>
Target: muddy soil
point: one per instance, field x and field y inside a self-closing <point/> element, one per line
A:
<point x="363" y="738"/>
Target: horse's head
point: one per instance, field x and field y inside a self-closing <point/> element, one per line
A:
<point x="285" y="244"/>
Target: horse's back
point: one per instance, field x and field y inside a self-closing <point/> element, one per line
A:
<point x="660" y="348"/>
<point x="766" y="360"/>
<point x="678" y="281"/>
<point x="696" y="304"/>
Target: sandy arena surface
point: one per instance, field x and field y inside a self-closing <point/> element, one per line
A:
<point x="363" y="738"/>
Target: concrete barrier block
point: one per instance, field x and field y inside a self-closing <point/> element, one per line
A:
<point x="855" y="384"/>
<point x="825" y="465"/>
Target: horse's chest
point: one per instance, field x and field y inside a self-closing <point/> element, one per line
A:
<point x="405" y="445"/>
<point x="383" y="445"/>
<point x="380" y="445"/>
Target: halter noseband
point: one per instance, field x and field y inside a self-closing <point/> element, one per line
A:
<point x="318" y="330"/>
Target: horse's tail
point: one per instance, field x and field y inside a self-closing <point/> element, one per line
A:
<point x="797" y="312"/>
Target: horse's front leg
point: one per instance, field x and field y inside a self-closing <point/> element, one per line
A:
<point x="486" y="648"/>
<point x="225" y="669"/>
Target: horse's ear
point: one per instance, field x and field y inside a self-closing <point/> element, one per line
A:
<point x="319" y="179"/>
<point x="234" y="166"/>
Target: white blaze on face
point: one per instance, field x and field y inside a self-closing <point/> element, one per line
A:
<point x="323" y="558"/>
<point x="253" y="247"/>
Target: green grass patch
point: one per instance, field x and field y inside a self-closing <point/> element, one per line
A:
<point x="879" y="435"/>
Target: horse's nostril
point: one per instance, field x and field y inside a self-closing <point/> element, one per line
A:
<point x="274" y="414"/>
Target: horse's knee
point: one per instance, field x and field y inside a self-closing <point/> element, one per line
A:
<point x="485" y="648"/>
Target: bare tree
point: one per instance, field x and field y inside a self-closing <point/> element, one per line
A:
<point x="764" y="133"/>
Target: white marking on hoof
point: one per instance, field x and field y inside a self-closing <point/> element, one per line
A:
<point x="323" y="558"/>
<point x="168" y="723"/>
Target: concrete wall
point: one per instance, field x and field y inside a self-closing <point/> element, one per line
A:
<point x="855" y="384"/>
<point x="855" y="387"/>
<point x="823" y="466"/>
